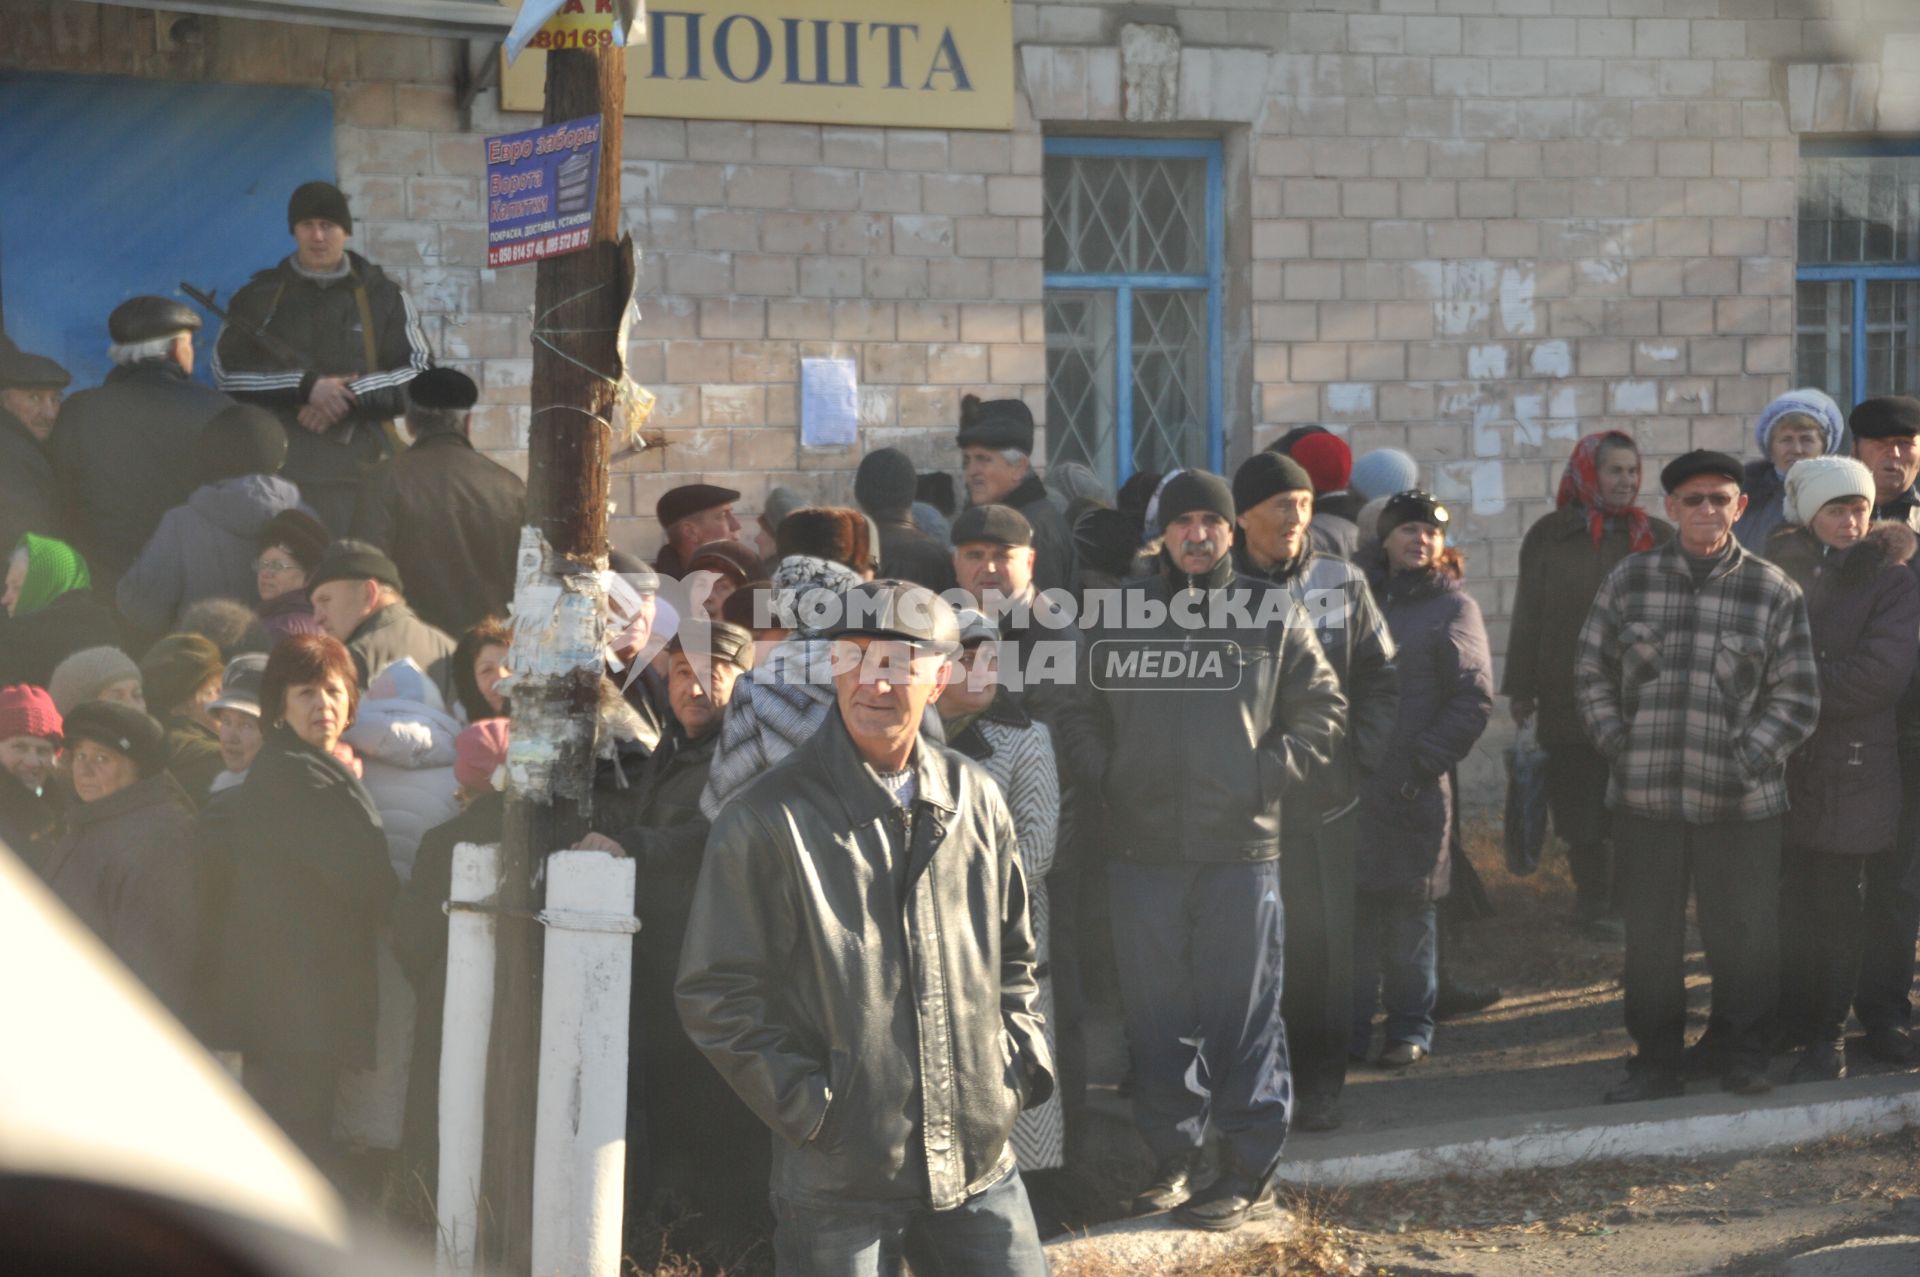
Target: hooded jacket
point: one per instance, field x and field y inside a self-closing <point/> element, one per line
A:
<point x="1194" y="726"/>
<point x="1863" y="605"/>
<point x="1696" y="695"/>
<point x="123" y="455"/>
<point x="1446" y="701"/>
<point x="888" y="1038"/>
<point x="405" y="739"/>
<point x="128" y="866"/>
<point x="202" y="550"/>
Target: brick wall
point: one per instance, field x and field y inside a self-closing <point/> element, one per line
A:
<point x="1474" y="229"/>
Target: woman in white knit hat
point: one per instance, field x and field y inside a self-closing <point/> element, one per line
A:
<point x="1843" y="785"/>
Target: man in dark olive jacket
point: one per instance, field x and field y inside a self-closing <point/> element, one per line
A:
<point x="860" y="965"/>
<point x="1201" y="711"/>
<point x="449" y="517"/>
<point x="357" y="598"/>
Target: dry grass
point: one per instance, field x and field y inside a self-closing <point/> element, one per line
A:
<point x="673" y="1242"/>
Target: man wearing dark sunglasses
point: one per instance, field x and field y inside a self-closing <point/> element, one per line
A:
<point x="1695" y="679"/>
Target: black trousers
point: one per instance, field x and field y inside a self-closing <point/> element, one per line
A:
<point x="1577" y="797"/>
<point x="1316" y="1001"/>
<point x="1733" y="870"/>
<point x="1883" y="997"/>
<point x="1821" y="914"/>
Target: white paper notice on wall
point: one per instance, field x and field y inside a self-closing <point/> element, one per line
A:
<point x="829" y="403"/>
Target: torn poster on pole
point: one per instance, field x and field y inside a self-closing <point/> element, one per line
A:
<point x="540" y="188"/>
<point x="576" y="24"/>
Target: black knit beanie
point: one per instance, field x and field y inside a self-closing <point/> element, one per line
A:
<point x="319" y="199"/>
<point x="1192" y="490"/>
<point x="1266" y="473"/>
<point x="884" y="485"/>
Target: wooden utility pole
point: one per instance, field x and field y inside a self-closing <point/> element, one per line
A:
<point x="579" y="301"/>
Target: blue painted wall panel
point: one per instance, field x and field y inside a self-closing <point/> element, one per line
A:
<point x="117" y="187"/>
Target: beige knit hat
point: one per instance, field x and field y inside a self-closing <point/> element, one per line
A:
<point x="79" y="678"/>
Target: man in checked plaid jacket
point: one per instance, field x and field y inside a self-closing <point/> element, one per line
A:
<point x="1695" y="678"/>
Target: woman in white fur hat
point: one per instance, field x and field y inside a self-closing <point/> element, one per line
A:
<point x="1840" y="856"/>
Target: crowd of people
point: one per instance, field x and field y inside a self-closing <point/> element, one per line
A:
<point x="911" y="782"/>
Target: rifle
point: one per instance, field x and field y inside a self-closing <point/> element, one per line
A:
<point x="272" y="345"/>
<point x="286" y="354"/>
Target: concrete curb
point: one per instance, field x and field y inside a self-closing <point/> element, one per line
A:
<point x="1690" y="1126"/>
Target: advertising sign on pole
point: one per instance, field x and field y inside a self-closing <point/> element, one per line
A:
<point x="540" y="187"/>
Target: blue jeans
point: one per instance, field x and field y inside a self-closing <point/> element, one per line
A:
<point x="990" y="1234"/>
<point x="1199" y="951"/>
<point x="1395" y="955"/>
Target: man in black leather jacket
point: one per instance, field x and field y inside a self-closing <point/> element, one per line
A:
<point x="1275" y="497"/>
<point x="859" y="966"/>
<point x="1197" y="716"/>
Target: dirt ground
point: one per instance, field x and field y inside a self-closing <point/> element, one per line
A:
<point x="1747" y="1215"/>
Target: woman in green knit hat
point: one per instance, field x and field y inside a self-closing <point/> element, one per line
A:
<point x="51" y="610"/>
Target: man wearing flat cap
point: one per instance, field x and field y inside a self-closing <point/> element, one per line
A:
<point x="687" y="1133"/>
<point x="1886" y="439"/>
<point x="352" y="342"/>
<point x="693" y="515"/>
<point x="124" y="451"/>
<point x="1202" y="716"/>
<point x="449" y="516"/>
<point x="860" y="967"/>
<point x="996" y="459"/>
<point x="357" y="598"/>
<point x="1695" y="679"/>
<point x="30" y="387"/>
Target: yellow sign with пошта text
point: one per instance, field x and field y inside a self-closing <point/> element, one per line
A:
<point x="938" y="64"/>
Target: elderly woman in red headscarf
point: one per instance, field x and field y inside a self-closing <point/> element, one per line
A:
<point x="1597" y="521"/>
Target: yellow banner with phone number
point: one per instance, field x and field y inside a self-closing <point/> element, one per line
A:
<point x="940" y="64"/>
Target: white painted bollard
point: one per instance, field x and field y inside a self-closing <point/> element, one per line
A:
<point x="580" y="1131"/>
<point x="466" y="1026"/>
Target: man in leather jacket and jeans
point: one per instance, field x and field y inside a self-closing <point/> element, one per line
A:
<point x="1206" y="705"/>
<point x="859" y="966"/>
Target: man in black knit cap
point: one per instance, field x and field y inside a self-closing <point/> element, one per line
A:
<point x="884" y="486"/>
<point x="358" y="343"/>
<point x="1200" y="723"/>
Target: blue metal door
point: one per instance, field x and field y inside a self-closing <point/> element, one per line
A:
<point x="117" y="187"/>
